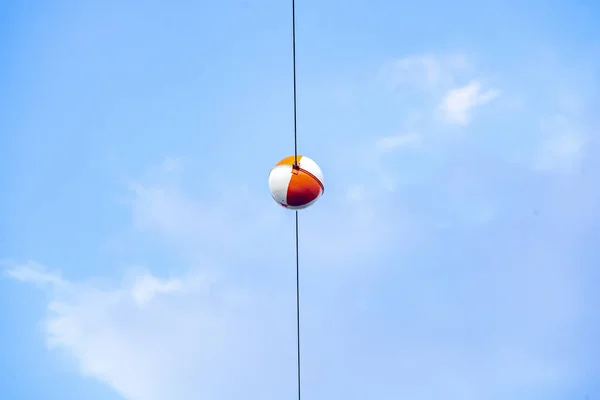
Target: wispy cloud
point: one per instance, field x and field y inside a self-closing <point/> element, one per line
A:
<point x="440" y="79"/>
<point x="154" y="338"/>
<point x="35" y="273"/>
<point x="146" y="287"/>
<point x="458" y="104"/>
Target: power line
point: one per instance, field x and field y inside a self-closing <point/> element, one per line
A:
<point x="298" y="302"/>
<point x="296" y="166"/>
<point x="294" y="65"/>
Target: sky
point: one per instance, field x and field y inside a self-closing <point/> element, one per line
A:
<point x="453" y="255"/>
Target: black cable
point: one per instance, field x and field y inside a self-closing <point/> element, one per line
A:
<point x="298" y="302"/>
<point x="296" y="165"/>
<point x="294" y="64"/>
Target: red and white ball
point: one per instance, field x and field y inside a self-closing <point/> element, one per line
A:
<point x="296" y="187"/>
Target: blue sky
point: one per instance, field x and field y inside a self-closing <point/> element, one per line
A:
<point x="453" y="255"/>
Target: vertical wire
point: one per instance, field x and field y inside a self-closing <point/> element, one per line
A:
<point x="298" y="302"/>
<point x="294" y="66"/>
<point x="296" y="165"/>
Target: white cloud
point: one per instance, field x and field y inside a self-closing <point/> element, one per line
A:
<point x="440" y="77"/>
<point x="458" y="104"/>
<point x="148" y="286"/>
<point x="187" y="343"/>
<point x="391" y="143"/>
<point x="33" y="272"/>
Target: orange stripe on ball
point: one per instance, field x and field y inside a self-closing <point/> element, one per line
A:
<point x="289" y="160"/>
<point x="303" y="188"/>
